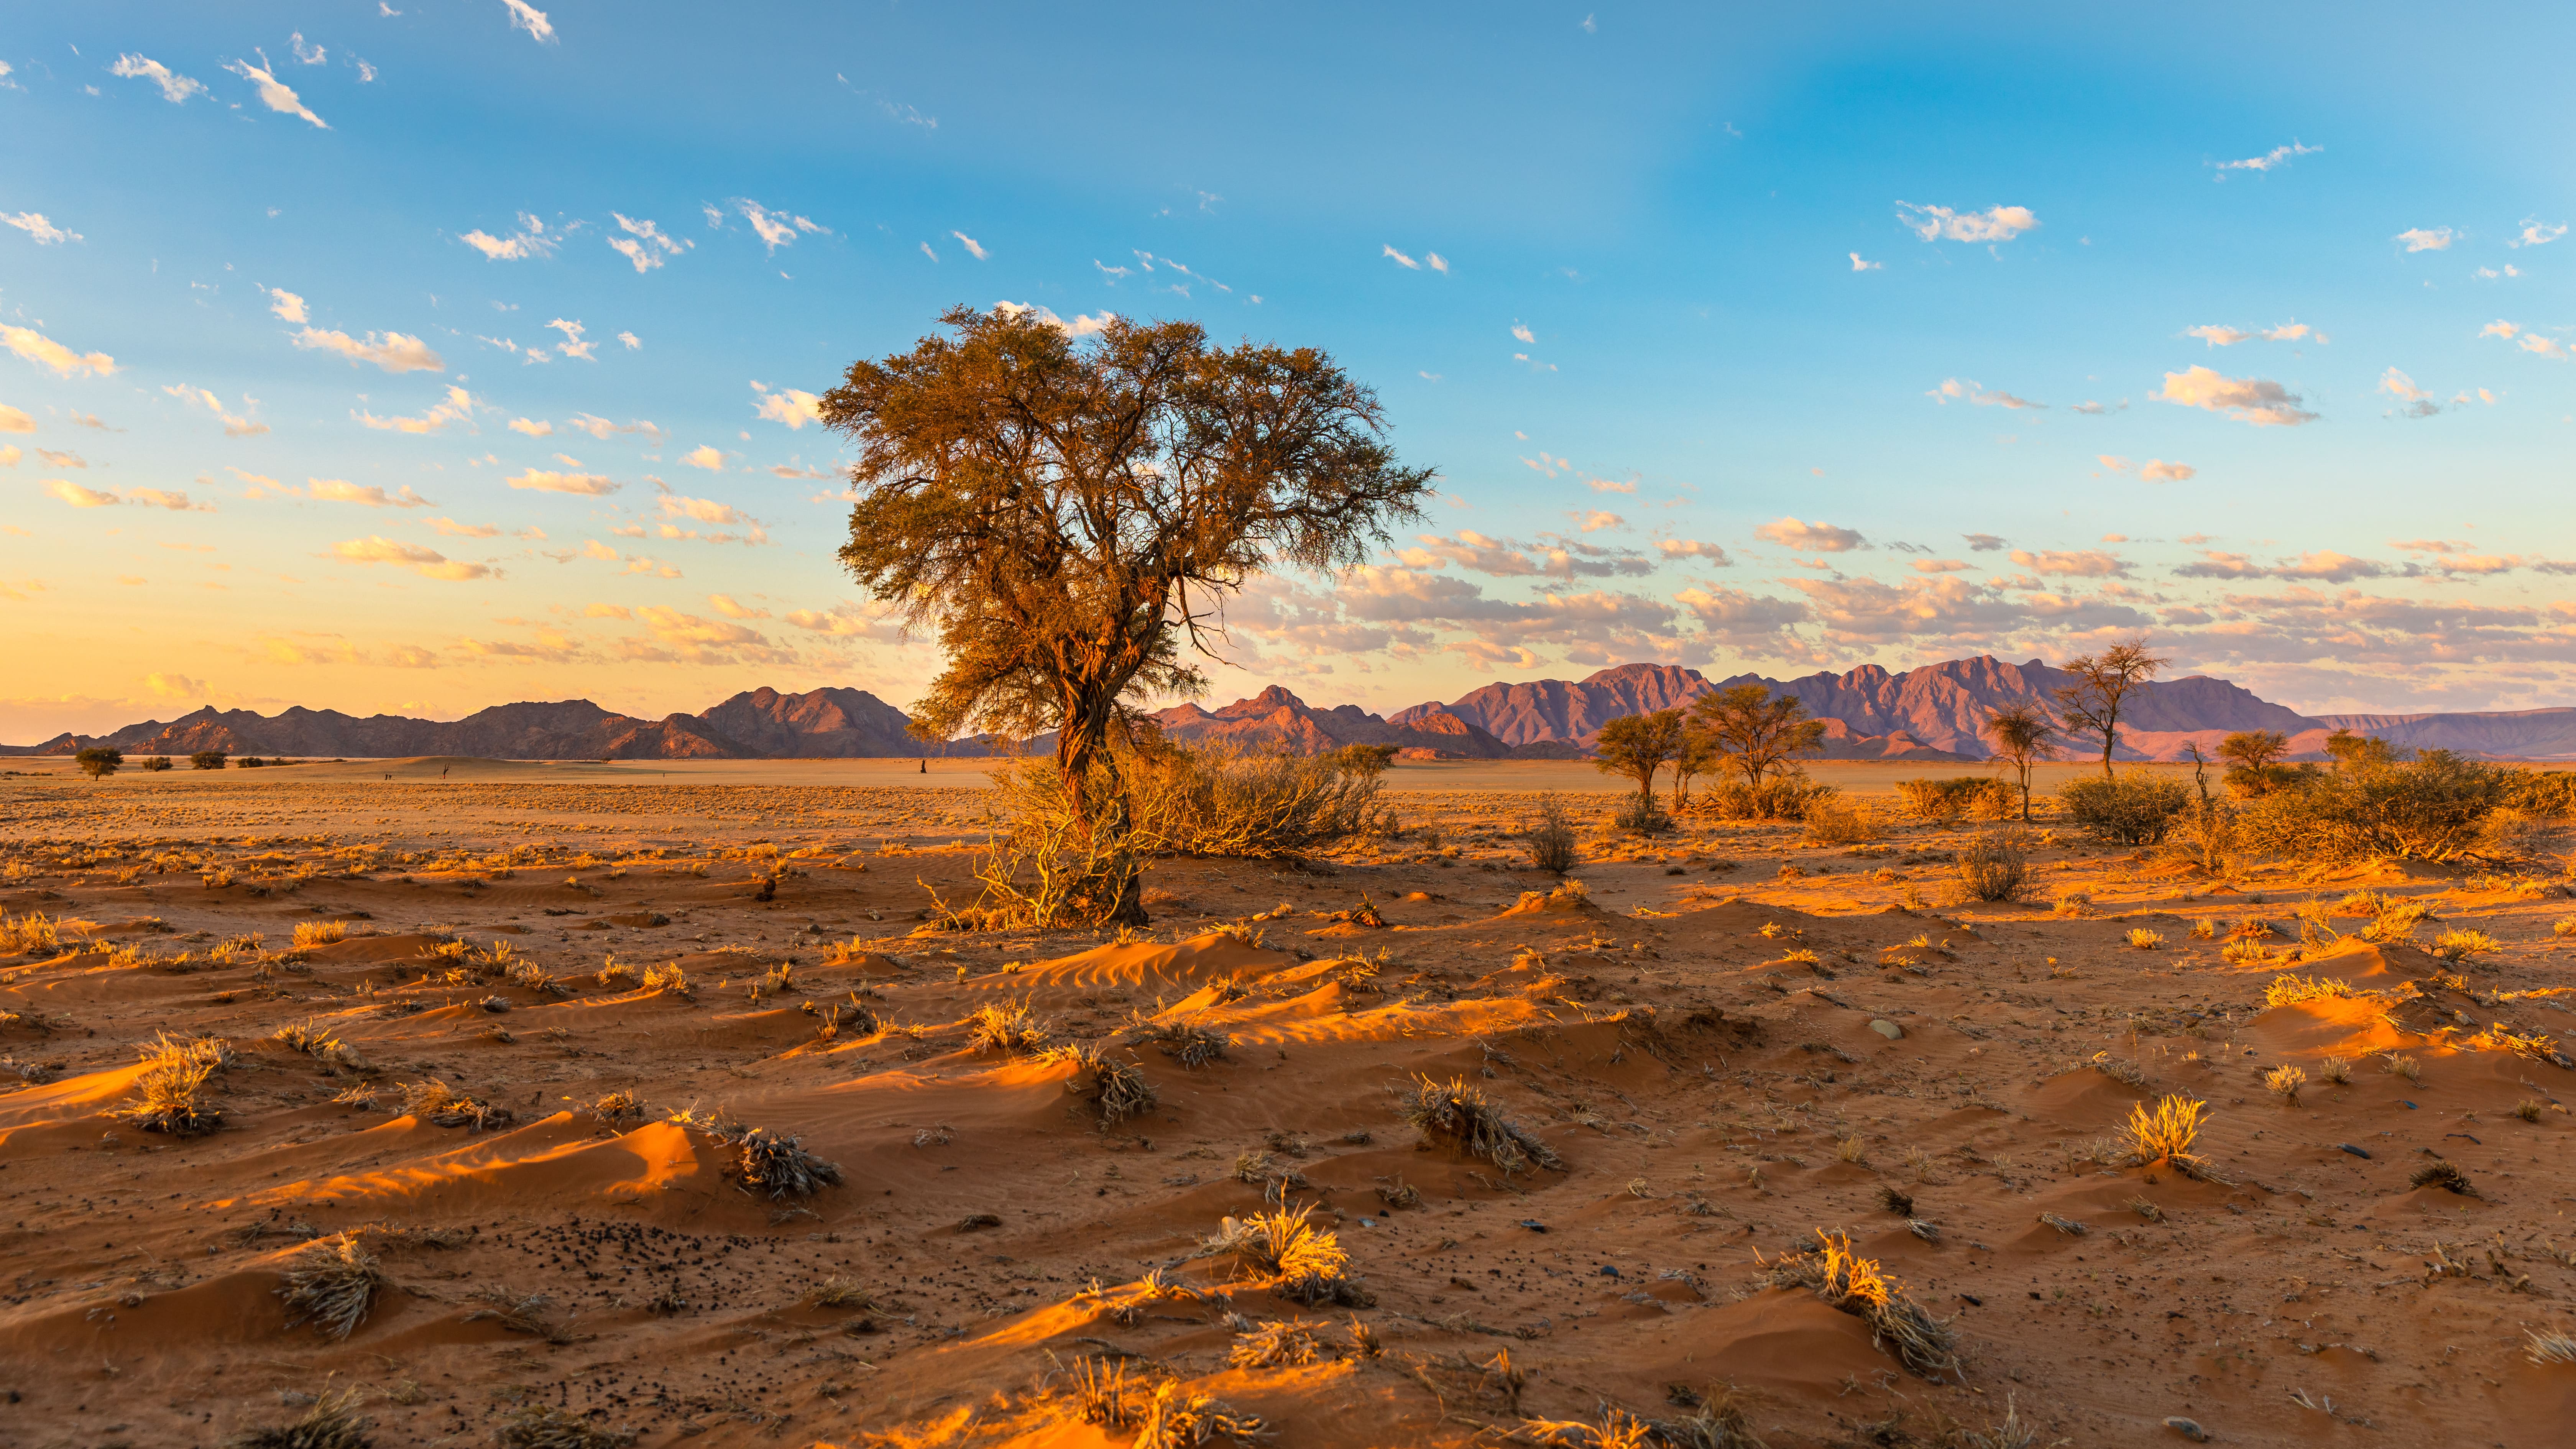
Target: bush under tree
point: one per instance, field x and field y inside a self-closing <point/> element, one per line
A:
<point x="208" y="760"/>
<point x="99" y="762"/>
<point x="2022" y="735"/>
<point x="2437" y="807"/>
<point x="2135" y="807"/>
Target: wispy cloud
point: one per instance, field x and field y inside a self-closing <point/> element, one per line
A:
<point x="2220" y="336"/>
<point x="527" y="17"/>
<point x="287" y="306"/>
<point x="530" y="240"/>
<point x="1810" y="537"/>
<point x="1954" y="390"/>
<point x="392" y="351"/>
<point x="174" y="87"/>
<point x="2154" y="470"/>
<point x="572" y="345"/>
<point x="2529" y="341"/>
<point x="2537" y="233"/>
<point x="33" y="223"/>
<point x="235" y="425"/>
<point x="541" y="480"/>
<point x="1861" y="266"/>
<point x="456" y="407"/>
<point x="2256" y="400"/>
<point x="2277" y="156"/>
<point x="974" y="248"/>
<point x="778" y="228"/>
<point x="428" y="562"/>
<point x="365" y="495"/>
<point x="2427" y="239"/>
<point x="1402" y="260"/>
<point x="276" y="94"/>
<point x="644" y="243"/>
<point x="1078" y="326"/>
<point x="602" y="428"/>
<point x="1994" y="224"/>
<point x="44" y="351"/>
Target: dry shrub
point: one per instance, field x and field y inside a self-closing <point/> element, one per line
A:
<point x="1192" y="1046"/>
<point x="1276" y="1345"/>
<point x="1834" y="821"/>
<point x="1995" y="865"/>
<point x="331" y="1284"/>
<point x="1782" y="797"/>
<point x="1116" y="1090"/>
<point x="2461" y="945"/>
<point x="546" y="1427"/>
<point x="1618" y="1429"/>
<point x="2140" y="938"/>
<point x="618" y="1109"/>
<point x="2243" y="951"/>
<point x="332" y="1422"/>
<point x="2286" y="1081"/>
<point x="30" y="932"/>
<point x="1009" y="1026"/>
<point x="2443" y="1175"/>
<point x="1175" y="1418"/>
<point x="2204" y="834"/>
<point x="2548" y="1346"/>
<point x="518" y="1312"/>
<point x="2396" y="920"/>
<point x="2336" y="1070"/>
<point x="167" y="1090"/>
<point x="1308" y="1261"/>
<point x="1551" y="841"/>
<point x="1641" y="815"/>
<point x="1462" y="1115"/>
<point x="1924" y="1344"/>
<point x="441" y="1105"/>
<point x="668" y="978"/>
<point x="320" y="933"/>
<point x="2165" y="1133"/>
<point x="2434" y="807"/>
<point x="2131" y="808"/>
<point x="2289" y="990"/>
<point x="1945" y="802"/>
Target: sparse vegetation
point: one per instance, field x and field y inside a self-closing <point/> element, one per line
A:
<point x="1995" y="865"/>
<point x="168" y="1091"/>
<point x="1004" y="1026"/>
<point x="2136" y="807"/>
<point x="2165" y="1133"/>
<point x="2285" y="1081"/>
<point x="1926" y="1346"/>
<point x="208" y="760"/>
<point x="773" y="1164"/>
<point x="331" y="1284"/>
<point x="331" y="1421"/>
<point x="2290" y="990"/>
<point x="1308" y="1261"/>
<point x="99" y="762"/>
<point x="1832" y="820"/>
<point x="2443" y="1175"/>
<point x="1116" y="1090"/>
<point x="1945" y="802"/>
<point x="1551" y="840"/>
<point x="1463" y="1117"/>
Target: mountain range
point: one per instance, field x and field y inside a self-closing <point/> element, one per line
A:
<point x="1930" y="714"/>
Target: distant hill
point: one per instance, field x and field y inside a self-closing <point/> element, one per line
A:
<point x="1929" y="714"/>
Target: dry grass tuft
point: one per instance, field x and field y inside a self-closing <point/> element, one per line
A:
<point x="332" y="1422"/>
<point x="2166" y="1133"/>
<point x="1175" y="1418"/>
<point x="441" y="1105"/>
<point x="1276" y="1345"/>
<point x="546" y="1427"/>
<point x="167" y="1090"/>
<point x="309" y="934"/>
<point x="1116" y="1090"/>
<point x="2142" y="939"/>
<point x="2289" y="990"/>
<point x="2286" y="1081"/>
<point x="2529" y="1109"/>
<point x="671" y="979"/>
<point x="779" y="1166"/>
<point x="1192" y="1046"/>
<point x="1618" y="1429"/>
<point x="519" y="1313"/>
<point x="1835" y="821"/>
<point x="1005" y="1026"/>
<point x="618" y="1109"/>
<point x="2461" y="945"/>
<point x="331" y="1284"/>
<point x="1924" y="1344"/>
<point x="839" y="1291"/>
<point x="1461" y="1114"/>
<point x="2441" y="1174"/>
<point x="2126" y="1073"/>
<point x="2335" y="1070"/>
<point x="1308" y="1260"/>
<point x="2548" y="1346"/>
<point x="1896" y="1200"/>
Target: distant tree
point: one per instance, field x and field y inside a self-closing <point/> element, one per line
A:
<point x="1368" y="760"/>
<point x="1066" y="514"/>
<point x="1754" y="733"/>
<point x="2253" y="749"/>
<point x="1699" y="754"/>
<point x="156" y="762"/>
<point x="208" y="760"/>
<point x="2353" y="753"/>
<point x="98" y="762"/>
<point x="2023" y="735"/>
<point x="1639" y="745"/>
<point x="2103" y="682"/>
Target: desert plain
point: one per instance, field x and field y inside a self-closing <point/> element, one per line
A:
<point x="487" y="1037"/>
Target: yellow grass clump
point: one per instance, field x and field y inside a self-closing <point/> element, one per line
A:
<point x="2290" y="990"/>
<point x="2166" y="1132"/>
<point x="1857" y="1285"/>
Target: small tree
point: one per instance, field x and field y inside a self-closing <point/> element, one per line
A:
<point x="2253" y="750"/>
<point x="156" y="762"/>
<point x="1754" y="733"/>
<point x="1366" y="761"/>
<point x="1639" y="745"/>
<point x="2353" y="753"/>
<point x="1066" y="515"/>
<point x="98" y="762"/>
<point x="2023" y="735"/>
<point x="2102" y="683"/>
<point x="208" y="760"/>
<point x="1699" y="754"/>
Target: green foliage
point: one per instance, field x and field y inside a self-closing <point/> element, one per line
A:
<point x="2134" y="808"/>
<point x="98" y="762"/>
<point x="2540" y="792"/>
<point x="1551" y="841"/>
<point x="1641" y="815"/>
<point x="1752" y="733"/>
<point x="2249" y="782"/>
<point x="156" y="763"/>
<point x="2434" y="807"/>
<point x="1638" y="745"/>
<point x="1944" y="801"/>
<point x="2253" y="750"/>
<point x="208" y="760"/>
<point x="1784" y="797"/>
<point x="1369" y="761"/>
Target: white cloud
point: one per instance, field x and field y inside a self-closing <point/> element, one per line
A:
<point x="2089" y="563"/>
<point x="79" y="497"/>
<point x="454" y="529"/>
<point x="703" y="510"/>
<point x="1994" y="224"/>
<point x="1521" y="331"/>
<point x="36" y="347"/>
<point x="541" y="480"/>
<point x="278" y="96"/>
<point x="791" y="406"/>
<point x="1692" y="548"/>
<point x="456" y="407"/>
<point x="341" y="490"/>
<point x="633" y="343"/>
<point x="2417" y="402"/>
<point x="531" y="240"/>
<point x="974" y="248"/>
<point x="644" y="244"/>
<point x="427" y="562"/>
<point x="1404" y="261"/>
<point x="1598" y="519"/>
<point x="532" y="428"/>
<point x="1861" y="266"/>
<point x="287" y="305"/>
<point x="63" y="459"/>
<point x="1080" y="326"/>
<point x="392" y="351"/>
<point x="527" y="17"/>
<point x="1436" y="262"/>
<point x="2157" y="470"/>
<point x="2426" y="239"/>
<point x="778" y="228"/>
<point x="234" y="426"/>
<point x="2277" y="156"/>
<point x="1953" y="390"/>
<point x="927" y="252"/>
<point x="572" y="345"/>
<point x="705" y="456"/>
<point x="2259" y="401"/>
<point x="33" y="223"/>
<point x="306" y="54"/>
<point x="2537" y="233"/>
<point x="13" y="420"/>
<point x="2219" y="336"/>
<point x="1810" y="537"/>
<point x="2526" y="339"/>
<point x="174" y="87"/>
<point x="172" y="499"/>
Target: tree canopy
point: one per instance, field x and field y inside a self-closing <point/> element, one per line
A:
<point x="1638" y="745"/>
<point x="2103" y="682"/>
<point x="1754" y="731"/>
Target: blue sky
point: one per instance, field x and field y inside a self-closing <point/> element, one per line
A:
<point x="1742" y="340"/>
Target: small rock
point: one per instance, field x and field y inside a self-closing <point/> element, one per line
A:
<point x="1887" y="1029"/>
<point x="2188" y="1429"/>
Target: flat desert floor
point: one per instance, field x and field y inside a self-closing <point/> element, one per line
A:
<point x="487" y="1036"/>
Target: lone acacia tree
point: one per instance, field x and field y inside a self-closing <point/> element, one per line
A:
<point x="1638" y="745"/>
<point x="1067" y="515"/>
<point x="1755" y="732"/>
<point x="2023" y="735"/>
<point x="2102" y="683"/>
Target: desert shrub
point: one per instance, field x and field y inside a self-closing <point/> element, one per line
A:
<point x="252" y="762"/>
<point x="670" y="978"/>
<point x="1942" y="802"/>
<point x="1551" y="841"/>
<point x="1175" y="1418"/>
<point x="2443" y="1175"/>
<point x="1215" y="802"/>
<point x="156" y="763"/>
<point x="2511" y="832"/>
<point x="1782" y="797"/>
<point x="1641" y="815"/>
<point x="1192" y="1046"/>
<point x="2434" y="807"/>
<point x="98" y="761"/>
<point x="2166" y="1132"/>
<point x="1368" y="761"/>
<point x="208" y="760"/>
<point x="775" y="1164"/>
<point x="1834" y="821"/>
<point x="2547" y="793"/>
<point x="441" y="1105"/>
<point x="1462" y="1115"/>
<point x="2204" y="834"/>
<point x="1995" y="865"/>
<point x="547" y="1427"/>
<point x="1004" y="1026"/>
<point x="2461" y="945"/>
<point x="166" y="1092"/>
<point x="320" y="933"/>
<point x="331" y="1283"/>
<point x="2289" y="990"/>
<point x="1116" y="1090"/>
<point x="1926" y="1346"/>
<point x="1308" y="1260"/>
<point x="2251" y="782"/>
<point x="333" y="1422"/>
<point x="2132" y="808"/>
<point x="34" y="931"/>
